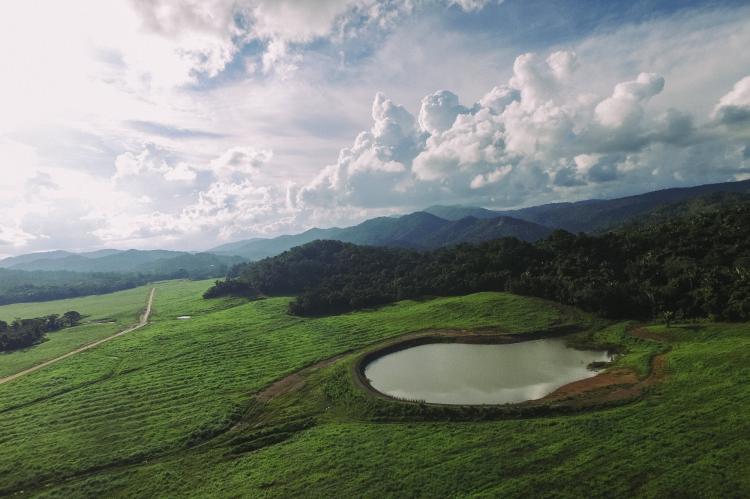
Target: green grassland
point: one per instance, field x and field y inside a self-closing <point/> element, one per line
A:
<point x="104" y="315"/>
<point x="168" y="410"/>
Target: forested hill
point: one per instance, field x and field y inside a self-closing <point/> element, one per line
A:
<point x="157" y="262"/>
<point x="417" y="230"/>
<point x="695" y="265"/>
<point x="42" y="285"/>
<point x="21" y="286"/>
<point x="597" y="215"/>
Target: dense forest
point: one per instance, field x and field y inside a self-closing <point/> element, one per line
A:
<point x="694" y="264"/>
<point x="22" y="286"/>
<point x="22" y="333"/>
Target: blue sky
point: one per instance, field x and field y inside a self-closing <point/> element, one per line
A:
<point x="186" y="124"/>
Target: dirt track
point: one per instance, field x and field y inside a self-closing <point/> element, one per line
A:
<point x="141" y="322"/>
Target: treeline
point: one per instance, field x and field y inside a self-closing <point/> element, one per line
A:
<point x="24" y="286"/>
<point x="18" y="286"/>
<point x="686" y="267"/>
<point x="22" y="333"/>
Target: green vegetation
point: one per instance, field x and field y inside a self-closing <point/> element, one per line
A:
<point x="103" y="315"/>
<point x="58" y="275"/>
<point x="152" y="262"/>
<point x="17" y="286"/>
<point x="694" y="266"/>
<point x="419" y="230"/>
<point x="176" y="383"/>
<point x="22" y="333"/>
<point x="168" y="411"/>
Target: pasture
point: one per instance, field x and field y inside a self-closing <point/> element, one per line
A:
<point x="171" y="410"/>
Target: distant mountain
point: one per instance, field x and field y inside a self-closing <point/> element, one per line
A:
<point x="418" y="230"/>
<point x="33" y="257"/>
<point x="597" y="215"/>
<point x="155" y="262"/>
<point x="124" y="261"/>
<point x="459" y="212"/>
<point x="100" y="253"/>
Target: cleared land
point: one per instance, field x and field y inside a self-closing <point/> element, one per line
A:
<point x="104" y="315"/>
<point x="141" y="322"/>
<point x="170" y="410"/>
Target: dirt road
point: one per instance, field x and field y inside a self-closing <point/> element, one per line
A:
<point x="141" y="322"/>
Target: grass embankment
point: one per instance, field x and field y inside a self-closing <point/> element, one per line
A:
<point x="169" y="410"/>
<point x="175" y="383"/>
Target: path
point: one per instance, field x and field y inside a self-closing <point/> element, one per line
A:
<point x="141" y="322"/>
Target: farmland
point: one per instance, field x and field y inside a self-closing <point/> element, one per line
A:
<point x="170" y="409"/>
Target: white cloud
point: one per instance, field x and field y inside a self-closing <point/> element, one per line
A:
<point x="439" y="111"/>
<point x="297" y="78"/>
<point x="625" y="104"/>
<point x="149" y="162"/>
<point x="472" y="5"/>
<point x="240" y="162"/>
<point x="374" y="165"/>
<point x="734" y="107"/>
<point x="543" y="132"/>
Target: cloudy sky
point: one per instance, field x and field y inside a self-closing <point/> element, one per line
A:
<point x="187" y="124"/>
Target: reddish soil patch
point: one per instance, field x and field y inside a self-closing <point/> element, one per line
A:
<point x="615" y="385"/>
<point x="646" y="334"/>
<point x="294" y="381"/>
<point x="609" y="379"/>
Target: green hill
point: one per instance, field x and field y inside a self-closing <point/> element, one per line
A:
<point x="598" y="215"/>
<point x="419" y="230"/>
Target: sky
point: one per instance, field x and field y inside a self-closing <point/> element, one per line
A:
<point x="189" y="124"/>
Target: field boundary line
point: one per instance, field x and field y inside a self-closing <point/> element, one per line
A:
<point x="142" y="321"/>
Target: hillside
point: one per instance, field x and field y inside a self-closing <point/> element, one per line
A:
<point x="596" y="215"/>
<point x="194" y="387"/>
<point x="694" y="266"/>
<point x="419" y="230"/>
<point x="155" y="262"/>
<point x="31" y="286"/>
<point x="110" y="271"/>
<point x="439" y="226"/>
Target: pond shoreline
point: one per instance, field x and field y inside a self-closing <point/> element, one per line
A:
<point x="487" y="336"/>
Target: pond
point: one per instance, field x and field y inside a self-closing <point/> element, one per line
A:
<point x="462" y="373"/>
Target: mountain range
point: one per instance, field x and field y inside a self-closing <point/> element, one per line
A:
<point x="419" y="230"/>
<point x="153" y="262"/>
<point x="434" y="227"/>
<point x="595" y="215"/>
<point x="438" y="226"/>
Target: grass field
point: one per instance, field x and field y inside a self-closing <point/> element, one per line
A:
<point x="104" y="315"/>
<point x="168" y="411"/>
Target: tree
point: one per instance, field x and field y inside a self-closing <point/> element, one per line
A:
<point x="71" y="318"/>
<point x="668" y="317"/>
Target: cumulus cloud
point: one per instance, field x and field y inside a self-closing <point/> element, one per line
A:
<point x="537" y="134"/>
<point x="374" y="166"/>
<point x="734" y="107"/>
<point x="239" y="162"/>
<point x="151" y="161"/>
<point x="225" y="198"/>
<point x="624" y="107"/>
<point x="439" y="111"/>
<point x="627" y="111"/>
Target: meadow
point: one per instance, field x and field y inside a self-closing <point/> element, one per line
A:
<point x="104" y="315"/>
<point x="169" y="410"/>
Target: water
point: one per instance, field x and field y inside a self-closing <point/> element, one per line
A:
<point x="461" y="373"/>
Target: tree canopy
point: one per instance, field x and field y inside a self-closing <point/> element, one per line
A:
<point x="689" y="266"/>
